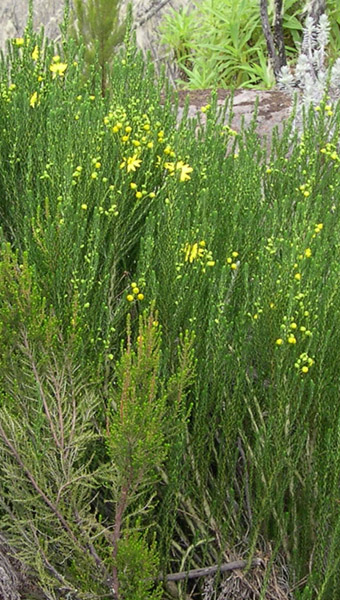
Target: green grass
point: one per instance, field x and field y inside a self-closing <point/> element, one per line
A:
<point x="214" y="428"/>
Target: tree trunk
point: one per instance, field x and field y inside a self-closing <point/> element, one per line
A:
<point x="275" y="45"/>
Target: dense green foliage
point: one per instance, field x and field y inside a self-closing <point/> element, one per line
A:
<point x="221" y="43"/>
<point x="169" y="319"/>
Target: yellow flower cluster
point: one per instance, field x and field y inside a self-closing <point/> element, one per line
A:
<point x="135" y="294"/>
<point x="232" y="262"/>
<point x="198" y="252"/>
<point x="304" y="363"/>
<point x="331" y="151"/>
<point x="327" y="108"/>
<point x="305" y="189"/>
<point x="7" y="91"/>
<point x="57" y="67"/>
<point x="179" y="166"/>
<point x="291" y="331"/>
<point x="138" y="134"/>
<point x="19" y="42"/>
<point x="318" y="227"/>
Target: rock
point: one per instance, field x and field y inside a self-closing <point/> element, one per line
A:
<point x="147" y="15"/>
<point x="13" y="18"/>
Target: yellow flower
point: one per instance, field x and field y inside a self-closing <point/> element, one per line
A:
<point x="185" y="169"/>
<point x="131" y="163"/>
<point x="58" y="68"/>
<point x="84" y="206"/>
<point x="308" y="252"/>
<point x="292" y="339"/>
<point x="304" y="369"/>
<point x="34" y="100"/>
<point x="193" y="251"/>
<point x="297" y="276"/>
<point x="19" y="42"/>
<point x="139" y="195"/>
<point x="135" y="290"/>
<point x="129" y="298"/>
<point x="170" y="166"/>
<point x="140" y="296"/>
<point x="35" y="53"/>
<point x="233" y="266"/>
<point x="279" y="341"/>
